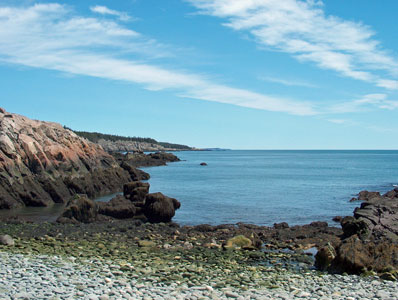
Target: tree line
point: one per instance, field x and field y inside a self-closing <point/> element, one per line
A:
<point x="96" y="136"/>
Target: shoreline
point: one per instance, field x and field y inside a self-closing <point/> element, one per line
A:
<point x="123" y="260"/>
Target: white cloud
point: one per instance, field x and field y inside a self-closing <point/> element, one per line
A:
<point x="103" y="10"/>
<point x="388" y="84"/>
<point x="303" y="30"/>
<point x="366" y="103"/>
<point x="288" y="82"/>
<point x="50" y="36"/>
<point x="338" y="121"/>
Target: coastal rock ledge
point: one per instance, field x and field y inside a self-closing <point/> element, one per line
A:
<point x="370" y="238"/>
<point x="42" y="163"/>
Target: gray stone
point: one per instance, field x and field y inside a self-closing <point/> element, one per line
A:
<point x="6" y="240"/>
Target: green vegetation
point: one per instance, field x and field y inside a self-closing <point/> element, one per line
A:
<point x="96" y="136"/>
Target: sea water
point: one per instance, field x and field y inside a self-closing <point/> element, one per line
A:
<point x="266" y="187"/>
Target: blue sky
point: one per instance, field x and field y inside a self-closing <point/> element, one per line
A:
<point x="241" y="74"/>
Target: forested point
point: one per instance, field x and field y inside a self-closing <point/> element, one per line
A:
<point x="96" y="136"/>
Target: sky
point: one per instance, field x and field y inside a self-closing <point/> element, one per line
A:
<point x="237" y="74"/>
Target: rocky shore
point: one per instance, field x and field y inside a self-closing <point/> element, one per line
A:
<point x="129" y="248"/>
<point x="134" y="260"/>
<point x="42" y="163"/>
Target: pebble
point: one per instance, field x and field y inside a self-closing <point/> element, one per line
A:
<point x="38" y="277"/>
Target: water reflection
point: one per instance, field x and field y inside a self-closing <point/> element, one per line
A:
<point x="44" y="214"/>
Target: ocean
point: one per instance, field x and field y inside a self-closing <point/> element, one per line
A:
<point x="267" y="187"/>
<point x="261" y="187"/>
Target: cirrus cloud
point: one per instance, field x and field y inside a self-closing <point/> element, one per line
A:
<point x="53" y="36"/>
<point x="302" y="29"/>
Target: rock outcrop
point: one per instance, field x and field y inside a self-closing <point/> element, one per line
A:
<point x="370" y="239"/>
<point x="135" y="160"/>
<point x="136" y="202"/>
<point x="42" y="163"/>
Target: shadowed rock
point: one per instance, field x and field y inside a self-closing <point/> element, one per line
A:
<point x="370" y="240"/>
<point x="136" y="192"/>
<point x="79" y="209"/>
<point x="160" y="208"/>
<point x="118" y="207"/>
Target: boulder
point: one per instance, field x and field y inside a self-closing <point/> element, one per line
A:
<point x="239" y="242"/>
<point x="355" y="255"/>
<point x="6" y="240"/>
<point x="79" y="209"/>
<point x="366" y="195"/>
<point x="282" y="225"/>
<point x="203" y="164"/>
<point x="391" y="194"/>
<point x="136" y="191"/>
<point x="160" y="208"/>
<point x="324" y="257"/>
<point x="118" y="207"/>
<point x="337" y="219"/>
<point x="146" y="244"/>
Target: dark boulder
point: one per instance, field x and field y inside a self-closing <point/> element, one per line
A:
<point x="324" y="257"/>
<point x="203" y="164"/>
<point x="391" y="194"/>
<point x="319" y="224"/>
<point x="160" y="208"/>
<point x="136" y="191"/>
<point x="282" y="225"/>
<point x="355" y="255"/>
<point x="79" y="209"/>
<point x="118" y="207"/>
<point x="164" y="156"/>
<point x="366" y="195"/>
<point x="337" y="219"/>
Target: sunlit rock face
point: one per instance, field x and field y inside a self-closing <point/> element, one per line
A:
<point x="42" y="163"/>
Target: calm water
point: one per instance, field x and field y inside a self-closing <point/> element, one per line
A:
<point x="264" y="187"/>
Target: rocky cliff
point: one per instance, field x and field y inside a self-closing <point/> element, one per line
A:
<point x="42" y="163"/>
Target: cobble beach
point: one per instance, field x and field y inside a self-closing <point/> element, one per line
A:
<point x="53" y="277"/>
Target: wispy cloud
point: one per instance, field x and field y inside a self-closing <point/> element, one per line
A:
<point x="302" y="29"/>
<point x="366" y="103"/>
<point x="288" y="82"/>
<point x="103" y="10"/>
<point x="52" y="36"/>
<point x="338" y="121"/>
